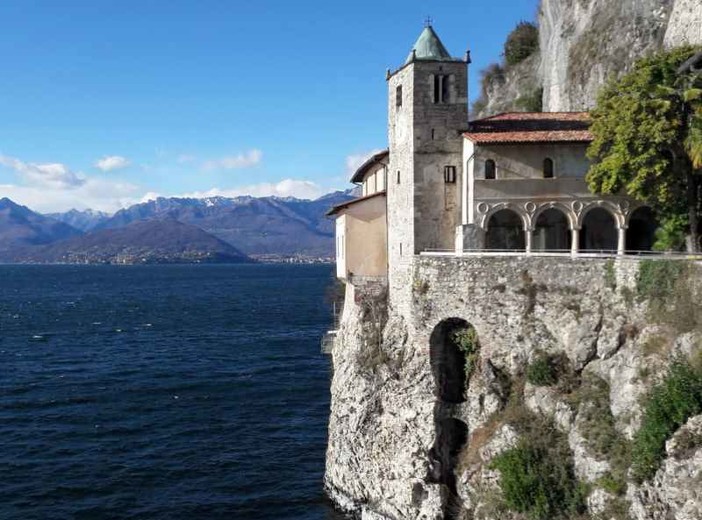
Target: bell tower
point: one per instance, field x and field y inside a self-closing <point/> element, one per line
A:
<point x="427" y="113"/>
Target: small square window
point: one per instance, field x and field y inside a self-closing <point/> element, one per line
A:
<point x="449" y="174"/>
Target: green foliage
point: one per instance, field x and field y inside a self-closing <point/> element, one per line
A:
<point x="466" y="340"/>
<point x="491" y="74"/>
<point x="645" y="134"/>
<point x="612" y="485"/>
<point x="670" y="235"/>
<point x="542" y="371"/>
<point x="598" y="427"/>
<point x="673" y="298"/>
<point x="531" y="102"/>
<point x="668" y="406"/>
<point x="610" y="276"/>
<point x="656" y="278"/>
<point x="536" y="483"/>
<point x="537" y="475"/>
<point x="521" y="43"/>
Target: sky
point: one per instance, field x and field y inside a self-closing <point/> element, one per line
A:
<point x="106" y="103"/>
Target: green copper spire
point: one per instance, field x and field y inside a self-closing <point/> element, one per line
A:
<point x="428" y="47"/>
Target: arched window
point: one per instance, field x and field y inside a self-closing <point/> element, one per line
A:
<point x="489" y="169"/>
<point x="548" y="168"/>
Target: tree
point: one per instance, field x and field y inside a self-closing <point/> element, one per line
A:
<point x="647" y="129"/>
<point x="521" y="43"/>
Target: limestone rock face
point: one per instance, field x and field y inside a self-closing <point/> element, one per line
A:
<point x="583" y="43"/>
<point x="391" y="442"/>
<point x="676" y="490"/>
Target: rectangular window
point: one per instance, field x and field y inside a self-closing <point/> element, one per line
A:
<point x="398" y="176"/>
<point x="449" y="174"/>
<point x="437" y="89"/>
<point x="398" y="96"/>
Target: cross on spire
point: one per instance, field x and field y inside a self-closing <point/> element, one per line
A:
<point x="428" y="21"/>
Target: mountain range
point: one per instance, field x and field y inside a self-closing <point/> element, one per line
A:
<point x="215" y="229"/>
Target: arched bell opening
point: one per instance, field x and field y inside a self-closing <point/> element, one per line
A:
<point x="641" y="233"/>
<point x="552" y="231"/>
<point x="599" y="231"/>
<point x="505" y="231"/>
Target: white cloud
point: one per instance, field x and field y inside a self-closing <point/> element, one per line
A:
<point x="354" y="161"/>
<point x="286" y="188"/>
<point x="112" y="162"/>
<point x="232" y="162"/>
<point x="186" y="158"/>
<point x="55" y="187"/>
<point x="93" y="194"/>
<point x="48" y="175"/>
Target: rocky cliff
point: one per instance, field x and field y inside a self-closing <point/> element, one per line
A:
<point x="499" y="365"/>
<point x="584" y="42"/>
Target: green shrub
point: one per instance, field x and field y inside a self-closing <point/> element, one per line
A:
<point x="542" y="371"/>
<point x="490" y="74"/>
<point x="611" y="484"/>
<point x="610" y="275"/>
<point x="535" y="482"/>
<point x="656" y="278"/>
<point x="466" y="340"/>
<point x="668" y="406"/>
<point x="670" y="235"/>
<point x="521" y="43"/>
<point x="531" y="101"/>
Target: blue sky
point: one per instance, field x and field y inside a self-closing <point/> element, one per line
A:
<point x="105" y="103"/>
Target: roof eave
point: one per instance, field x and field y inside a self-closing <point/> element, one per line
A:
<point x="344" y="205"/>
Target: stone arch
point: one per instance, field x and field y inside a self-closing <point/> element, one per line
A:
<point x="505" y="229"/>
<point x="641" y="229"/>
<point x="552" y="230"/>
<point x="598" y="229"/>
<point x="447" y="361"/>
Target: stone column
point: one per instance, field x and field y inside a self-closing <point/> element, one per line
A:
<point x="528" y="235"/>
<point x="464" y="194"/>
<point x="621" y="241"/>
<point x="574" y="241"/>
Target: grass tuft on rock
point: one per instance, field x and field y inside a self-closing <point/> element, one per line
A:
<point x="668" y="406"/>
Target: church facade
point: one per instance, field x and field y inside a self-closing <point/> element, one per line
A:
<point x="511" y="183"/>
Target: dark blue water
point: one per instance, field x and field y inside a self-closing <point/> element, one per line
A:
<point x="163" y="392"/>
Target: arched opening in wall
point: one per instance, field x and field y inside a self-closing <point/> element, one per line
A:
<point x="448" y="360"/>
<point x="599" y="231"/>
<point x="548" y="168"/>
<point x="505" y="231"/>
<point x="552" y="232"/>
<point x="490" y="169"/>
<point x="453" y="351"/>
<point x="641" y="233"/>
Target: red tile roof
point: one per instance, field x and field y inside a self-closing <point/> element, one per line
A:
<point x="531" y="127"/>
